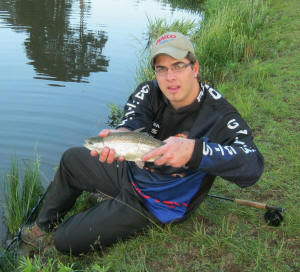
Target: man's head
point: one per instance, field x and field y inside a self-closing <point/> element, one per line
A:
<point x="176" y="68"/>
<point x="173" y="44"/>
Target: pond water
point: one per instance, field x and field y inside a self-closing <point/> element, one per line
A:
<point x="61" y="63"/>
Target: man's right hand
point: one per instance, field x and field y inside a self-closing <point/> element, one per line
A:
<point x="108" y="154"/>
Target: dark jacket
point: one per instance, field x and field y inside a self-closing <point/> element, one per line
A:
<point x="224" y="144"/>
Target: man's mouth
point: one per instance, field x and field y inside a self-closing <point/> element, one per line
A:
<point x="173" y="89"/>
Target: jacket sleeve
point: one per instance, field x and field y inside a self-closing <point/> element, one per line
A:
<point x="138" y="109"/>
<point x="231" y="154"/>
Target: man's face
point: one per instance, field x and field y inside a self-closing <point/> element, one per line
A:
<point x="178" y="80"/>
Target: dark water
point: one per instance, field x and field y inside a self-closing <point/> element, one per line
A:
<point x="61" y="64"/>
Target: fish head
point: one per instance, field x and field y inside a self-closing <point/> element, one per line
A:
<point x="94" y="143"/>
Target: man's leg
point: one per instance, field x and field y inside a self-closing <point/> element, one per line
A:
<point x="104" y="224"/>
<point x="78" y="171"/>
<point x="109" y="221"/>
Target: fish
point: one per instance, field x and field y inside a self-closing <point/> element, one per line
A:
<point x="131" y="145"/>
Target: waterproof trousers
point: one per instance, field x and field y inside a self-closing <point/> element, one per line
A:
<point x="117" y="218"/>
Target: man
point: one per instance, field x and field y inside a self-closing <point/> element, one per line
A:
<point x="204" y="137"/>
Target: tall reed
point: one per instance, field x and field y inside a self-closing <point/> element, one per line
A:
<point x="20" y="197"/>
<point x="227" y="35"/>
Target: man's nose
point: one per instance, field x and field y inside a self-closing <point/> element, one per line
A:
<point x="170" y="74"/>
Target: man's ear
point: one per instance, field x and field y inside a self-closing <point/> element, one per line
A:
<point x="196" y="68"/>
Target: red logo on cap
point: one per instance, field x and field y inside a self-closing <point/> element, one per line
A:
<point x="162" y="38"/>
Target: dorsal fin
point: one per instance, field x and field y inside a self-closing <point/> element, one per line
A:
<point x="139" y="129"/>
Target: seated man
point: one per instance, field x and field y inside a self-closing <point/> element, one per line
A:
<point x="204" y="137"/>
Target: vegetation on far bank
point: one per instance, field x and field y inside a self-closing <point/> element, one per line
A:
<point x="249" y="50"/>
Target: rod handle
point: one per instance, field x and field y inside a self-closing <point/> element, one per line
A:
<point x="250" y="203"/>
<point x="257" y="205"/>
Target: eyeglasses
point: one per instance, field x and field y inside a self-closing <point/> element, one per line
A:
<point x="175" y="68"/>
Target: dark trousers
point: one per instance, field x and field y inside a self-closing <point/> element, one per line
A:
<point x="111" y="220"/>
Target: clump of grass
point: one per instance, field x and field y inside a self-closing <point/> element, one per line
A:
<point x="115" y="115"/>
<point x="20" y="197"/>
<point x="228" y="35"/>
<point x="7" y="260"/>
<point x="54" y="264"/>
<point x="159" y="26"/>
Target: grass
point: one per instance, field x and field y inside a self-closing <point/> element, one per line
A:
<point x="21" y="196"/>
<point x="220" y="235"/>
<point x="227" y="35"/>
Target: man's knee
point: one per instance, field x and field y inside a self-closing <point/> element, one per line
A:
<point x="71" y="154"/>
<point x="59" y="243"/>
<point x="65" y="245"/>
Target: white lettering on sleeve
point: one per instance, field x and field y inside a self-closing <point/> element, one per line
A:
<point x="232" y="124"/>
<point x="220" y="149"/>
<point x="245" y="131"/>
<point x="142" y="92"/>
<point x="237" y="141"/>
<point x="130" y="106"/>
<point x="128" y="113"/>
<point x="207" y="150"/>
<point x="214" y="93"/>
<point x="230" y="150"/>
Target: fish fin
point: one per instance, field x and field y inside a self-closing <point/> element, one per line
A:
<point x="140" y="164"/>
<point x="139" y="129"/>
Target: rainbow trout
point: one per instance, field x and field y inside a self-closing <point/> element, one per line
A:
<point x="132" y="145"/>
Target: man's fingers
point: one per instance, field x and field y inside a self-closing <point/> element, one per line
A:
<point x="104" y="133"/>
<point x="121" y="158"/>
<point x="157" y="152"/>
<point x="94" y="153"/>
<point x="111" y="156"/>
<point x="164" y="159"/>
<point x="104" y="154"/>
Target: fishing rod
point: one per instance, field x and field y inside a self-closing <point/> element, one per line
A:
<point x="272" y="216"/>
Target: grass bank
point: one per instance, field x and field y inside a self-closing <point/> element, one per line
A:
<point x="261" y="77"/>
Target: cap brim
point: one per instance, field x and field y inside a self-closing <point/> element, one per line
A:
<point x="171" y="51"/>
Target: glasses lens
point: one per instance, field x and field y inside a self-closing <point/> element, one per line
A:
<point x="161" y="71"/>
<point x="176" y="68"/>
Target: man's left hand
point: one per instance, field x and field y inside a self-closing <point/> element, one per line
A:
<point x="176" y="152"/>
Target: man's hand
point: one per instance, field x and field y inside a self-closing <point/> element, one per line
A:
<point x="176" y="152"/>
<point x="108" y="154"/>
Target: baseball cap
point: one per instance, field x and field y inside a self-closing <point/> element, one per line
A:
<point x="174" y="44"/>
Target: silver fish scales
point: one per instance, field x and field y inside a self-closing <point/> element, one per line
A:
<point x="132" y="145"/>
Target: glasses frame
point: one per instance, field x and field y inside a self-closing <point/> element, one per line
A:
<point x="164" y="73"/>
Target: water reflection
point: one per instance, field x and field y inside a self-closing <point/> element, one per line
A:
<point x="192" y="6"/>
<point x="55" y="49"/>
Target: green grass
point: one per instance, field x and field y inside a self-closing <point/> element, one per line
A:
<point x="21" y="195"/>
<point x="220" y="235"/>
<point x="227" y="35"/>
